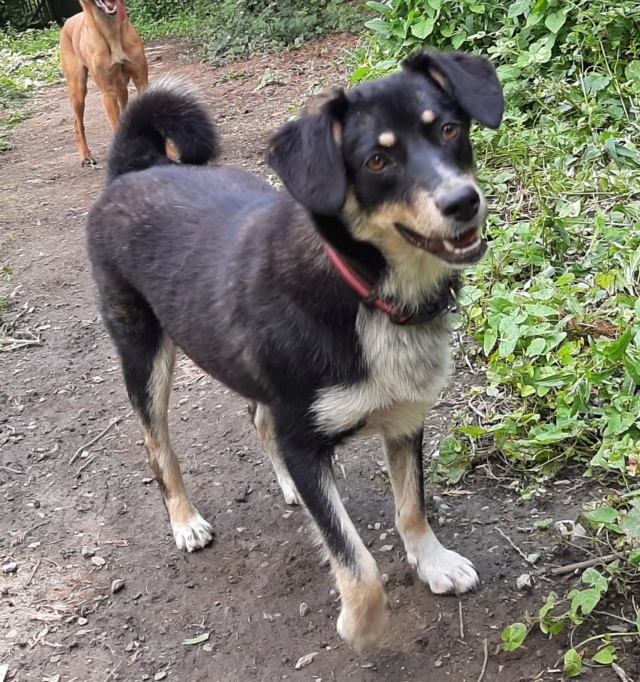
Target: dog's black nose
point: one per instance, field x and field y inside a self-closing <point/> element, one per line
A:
<point x="460" y="204"/>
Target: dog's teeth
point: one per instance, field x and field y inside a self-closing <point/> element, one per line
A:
<point x="449" y="246"/>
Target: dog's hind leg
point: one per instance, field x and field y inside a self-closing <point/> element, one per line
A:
<point x="445" y="571"/>
<point x="148" y="358"/>
<point x="264" y="425"/>
<point x="77" y="75"/>
<point x="364" y="615"/>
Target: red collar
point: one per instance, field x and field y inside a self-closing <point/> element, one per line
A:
<point x="426" y="312"/>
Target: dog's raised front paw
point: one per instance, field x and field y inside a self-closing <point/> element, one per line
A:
<point x="195" y="534"/>
<point x="89" y="163"/>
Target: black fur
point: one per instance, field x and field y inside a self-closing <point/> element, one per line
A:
<point x="147" y="124"/>
<point x="237" y="276"/>
<point x="472" y="81"/>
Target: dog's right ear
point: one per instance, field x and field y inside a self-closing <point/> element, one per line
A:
<point x="306" y="154"/>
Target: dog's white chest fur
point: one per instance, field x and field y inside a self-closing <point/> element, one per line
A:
<point x="407" y="368"/>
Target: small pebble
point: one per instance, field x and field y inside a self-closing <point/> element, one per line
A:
<point x="525" y="582"/>
<point x="386" y="548"/>
<point x="377" y="526"/>
<point x="10" y="568"/>
<point x="98" y="561"/>
<point x="304" y="609"/>
<point x="160" y="676"/>
<point x="82" y="621"/>
<point x="87" y="552"/>
<point x="384" y="578"/>
<point x="304" y="661"/>
<point x="117" y="585"/>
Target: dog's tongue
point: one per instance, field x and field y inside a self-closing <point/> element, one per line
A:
<point x="121" y="9"/>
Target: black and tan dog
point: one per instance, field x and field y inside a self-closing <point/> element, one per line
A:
<point x="101" y="41"/>
<point x="327" y="304"/>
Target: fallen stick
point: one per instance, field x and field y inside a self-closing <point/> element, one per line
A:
<point x="13" y="471"/>
<point x="486" y="658"/>
<point x="512" y="543"/>
<point x="620" y="673"/>
<point x="93" y="441"/>
<point x="570" y="568"/>
<point x="86" y="464"/>
<point x="461" y="621"/>
<point x="30" y="578"/>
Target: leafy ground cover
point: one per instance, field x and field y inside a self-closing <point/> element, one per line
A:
<point x="240" y="27"/>
<point x="554" y="309"/>
<point x="28" y="60"/>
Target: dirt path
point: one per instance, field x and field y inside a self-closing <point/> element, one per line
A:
<point x="75" y="528"/>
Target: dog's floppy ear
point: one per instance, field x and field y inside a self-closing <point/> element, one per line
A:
<point x="306" y="154"/>
<point x="471" y="81"/>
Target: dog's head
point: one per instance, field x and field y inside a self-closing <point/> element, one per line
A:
<point x="109" y="7"/>
<point x="393" y="157"/>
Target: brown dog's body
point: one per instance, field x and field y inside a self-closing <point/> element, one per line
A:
<point x="101" y="41"/>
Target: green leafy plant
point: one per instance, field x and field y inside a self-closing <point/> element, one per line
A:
<point x="553" y="313"/>
<point x="28" y="60"/>
<point x="571" y="612"/>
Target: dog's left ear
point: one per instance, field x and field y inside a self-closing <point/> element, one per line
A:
<point x="471" y="81"/>
<point x="307" y="156"/>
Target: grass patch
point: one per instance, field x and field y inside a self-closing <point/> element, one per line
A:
<point x="28" y="60"/>
<point x="555" y="307"/>
<point x="232" y="28"/>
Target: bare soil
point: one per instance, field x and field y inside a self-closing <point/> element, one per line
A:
<point x="77" y="515"/>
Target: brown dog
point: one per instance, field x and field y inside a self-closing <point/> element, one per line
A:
<point x="101" y="41"/>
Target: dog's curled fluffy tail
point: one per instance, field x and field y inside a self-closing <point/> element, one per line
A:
<point x="168" y="110"/>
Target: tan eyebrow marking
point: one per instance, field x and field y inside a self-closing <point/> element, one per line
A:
<point x="428" y="116"/>
<point x="387" y="139"/>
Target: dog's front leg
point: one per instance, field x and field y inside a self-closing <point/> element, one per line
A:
<point x="364" y="615"/>
<point x="445" y="571"/>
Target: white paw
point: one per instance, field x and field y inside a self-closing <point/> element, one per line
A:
<point x="196" y="534"/>
<point x="362" y="625"/>
<point x="445" y="571"/>
<point x="289" y="490"/>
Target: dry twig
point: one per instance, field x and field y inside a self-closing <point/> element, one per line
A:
<point x="30" y="578"/>
<point x="510" y="541"/>
<point x="570" y="568"/>
<point x="461" y="621"/>
<point x="486" y="658"/>
<point x="93" y="441"/>
<point x="620" y="673"/>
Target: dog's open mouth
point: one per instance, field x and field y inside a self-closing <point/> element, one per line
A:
<point x="465" y="249"/>
<point x="109" y="7"/>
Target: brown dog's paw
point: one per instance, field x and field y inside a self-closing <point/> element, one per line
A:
<point x="89" y="163"/>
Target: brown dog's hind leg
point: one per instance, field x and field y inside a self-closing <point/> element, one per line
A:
<point x="76" y="76"/>
<point x="148" y="358"/>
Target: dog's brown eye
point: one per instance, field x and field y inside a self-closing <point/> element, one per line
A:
<point x="376" y="163"/>
<point x="450" y="131"/>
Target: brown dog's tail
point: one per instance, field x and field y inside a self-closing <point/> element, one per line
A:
<point x="167" y="111"/>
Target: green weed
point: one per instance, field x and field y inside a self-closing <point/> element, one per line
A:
<point x="28" y="60"/>
<point x="554" y="309"/>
